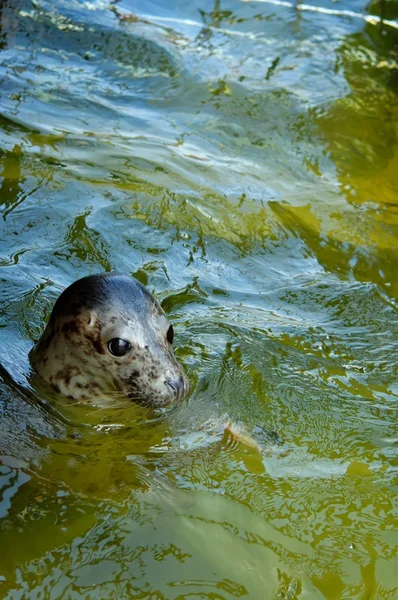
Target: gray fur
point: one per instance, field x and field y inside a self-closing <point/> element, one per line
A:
<point x="73" y="355"/>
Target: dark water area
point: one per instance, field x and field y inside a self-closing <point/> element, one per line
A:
<point x="241" y="160"/>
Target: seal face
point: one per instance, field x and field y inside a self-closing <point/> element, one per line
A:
<point x="108" y="338"/>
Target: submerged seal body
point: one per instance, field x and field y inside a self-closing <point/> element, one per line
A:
<point x="108" y="338"/>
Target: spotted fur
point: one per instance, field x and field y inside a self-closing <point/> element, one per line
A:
<point x="73" y="355"/>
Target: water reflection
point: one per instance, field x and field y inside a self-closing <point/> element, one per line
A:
<point x="239" y="158"/>
<point x="364" y="149"/>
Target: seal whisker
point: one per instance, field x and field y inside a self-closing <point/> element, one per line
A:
<point x="102" y="408"/>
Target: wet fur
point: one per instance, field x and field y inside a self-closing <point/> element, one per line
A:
<point x="73" y="356"/>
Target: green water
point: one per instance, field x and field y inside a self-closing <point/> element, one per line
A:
<point x="241" y="160"/>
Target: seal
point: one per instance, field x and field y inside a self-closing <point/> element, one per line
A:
<point x="108" y="338"/>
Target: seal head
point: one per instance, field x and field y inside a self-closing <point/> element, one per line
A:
<point x="108" y="338"/>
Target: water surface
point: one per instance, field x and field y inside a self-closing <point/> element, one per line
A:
<point x="240" y="159"/>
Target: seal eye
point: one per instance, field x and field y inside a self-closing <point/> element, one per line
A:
<point x="170" y="334"/>
<point x="118" y="347"/>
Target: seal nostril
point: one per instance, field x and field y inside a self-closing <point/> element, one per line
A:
<point x="181" y="385"/>
<point x="171" y="385"/>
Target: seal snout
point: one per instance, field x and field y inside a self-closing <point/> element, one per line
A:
<point x="178" y="386"/>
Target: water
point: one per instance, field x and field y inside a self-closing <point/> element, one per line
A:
<point x="241" y="160"/>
